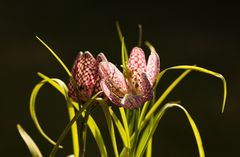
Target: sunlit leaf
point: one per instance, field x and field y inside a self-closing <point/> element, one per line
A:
<point x="72" y="121"/>
<point x="33" y="111"/>
<point x="55" y="55"/>
<point x="97" y="136"/>
<point x="125" y="124"/>
<point x="215" y="74"/>
<point x="120" y="128"/>
<point x="150" y="129"/>
<point x="110" y="128"/>
<point x="163" y="96"/>
<point x="29" y="142"/>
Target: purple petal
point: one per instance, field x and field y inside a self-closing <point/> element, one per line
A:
<point x="114" y="79"/>
<point x="136" y="65"/>
<point x="84" y="72"/>
<point x="137" y="61"/>
<point x="153" y="67"/>
<point x="112" y="97"/>
<point x="101" y="58"/>
<point x="144" y="87"/>
<point x="131" y="101"/>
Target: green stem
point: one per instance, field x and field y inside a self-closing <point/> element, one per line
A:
<point x="134" y="146"/>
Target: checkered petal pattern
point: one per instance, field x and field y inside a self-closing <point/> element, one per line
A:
<point x="113" y="78"/>
<point x="130" y="91"/>
<point x="84" y="72"/>
<point x="153" y="67"/>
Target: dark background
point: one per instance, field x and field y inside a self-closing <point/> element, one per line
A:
<point x="206" y="34"/>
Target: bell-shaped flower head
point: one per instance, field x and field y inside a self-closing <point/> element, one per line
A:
<point x="85" y="74"/>
<point x="132" y="89"/>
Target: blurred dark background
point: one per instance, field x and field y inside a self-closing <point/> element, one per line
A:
<point x="206" y="34"/>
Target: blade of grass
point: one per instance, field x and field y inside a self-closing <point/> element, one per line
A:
<point x="55" y="55"/>
<point x="215" y="74"/>
<point x="97" y="136"/>
<point x="149" y="131"/>
<point x="122" y="42"/>
<point x="71" y="113"/>
<point x="163" y="96"/>
<point x="62" y="88"/>
<point x="33" y="111"/>
<point x="120" y="128"/>
<point x="73" y="120"/>
<point x="125" y="124"/>
<point x="110" y="127"/>
<point x="29" y="142"/>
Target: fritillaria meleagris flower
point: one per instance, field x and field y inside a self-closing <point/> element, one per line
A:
<point x="85" y="73"/>
<point x="135" y="86"/>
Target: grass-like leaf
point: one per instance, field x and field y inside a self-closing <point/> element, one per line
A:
<point x="62" y="88"/>
<point x="33" y="110"/>
<point x="149" y="131"/>
<point x="73" y="120"/>
<point x="215" y="74"/>
<point x="97" y="136"/>
<point x="55" y="55"/>
<point x="125" y="124"/>
<point x="120" y="128"/>
<point x="33" y="148"/>
<point x="163" y="96"/>
<point x="124" y="48"/>
<point x="110" y="125"/>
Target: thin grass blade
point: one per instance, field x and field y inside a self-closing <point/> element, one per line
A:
<point x="215" y="74"/>
<point x="55" y="55"/>
<point x="120" y="128"/>
<point x="97" y="136"/>
<point x="110" y="128"/>
<point x="68" y="126"/>
<point x="33" y="111"/>
<point x="125" y="124"/>
<point x="29" y="142"/>
<point x="149" y="131"/>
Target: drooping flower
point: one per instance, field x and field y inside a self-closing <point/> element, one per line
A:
<point x="132" y="89"/>
<point x="85" y="74"/>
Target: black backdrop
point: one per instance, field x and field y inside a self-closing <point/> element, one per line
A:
<point x="183" y="33"/>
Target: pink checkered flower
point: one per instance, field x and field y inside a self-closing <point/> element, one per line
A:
<point x="85" y="73"/>
<point x="135" y="86"/>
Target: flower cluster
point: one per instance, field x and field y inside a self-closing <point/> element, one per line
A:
<point x="129" y="90"/>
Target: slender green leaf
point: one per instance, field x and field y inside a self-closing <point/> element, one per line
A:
<point x="73" y="120"/>
<point x="110" y="128"/>
<point x="163" y="96"/>
<point x="149" y="131"/>
<point x="59" y="84"/>
<point x="29" y="142"/>
<point x="33" y="110"/>
<point x="97" y="136"/>
<point x="124" y="49"/>
<point x="120" y="128"/>
<point x="149" y="148"/>
<point x="125" y="124"/>
<point x="55" y="55"/>
<point x="215" y="74"/>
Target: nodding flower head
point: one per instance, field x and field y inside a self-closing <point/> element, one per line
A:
<point x="135" y="86"/>
<point x="85" y="74"/>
